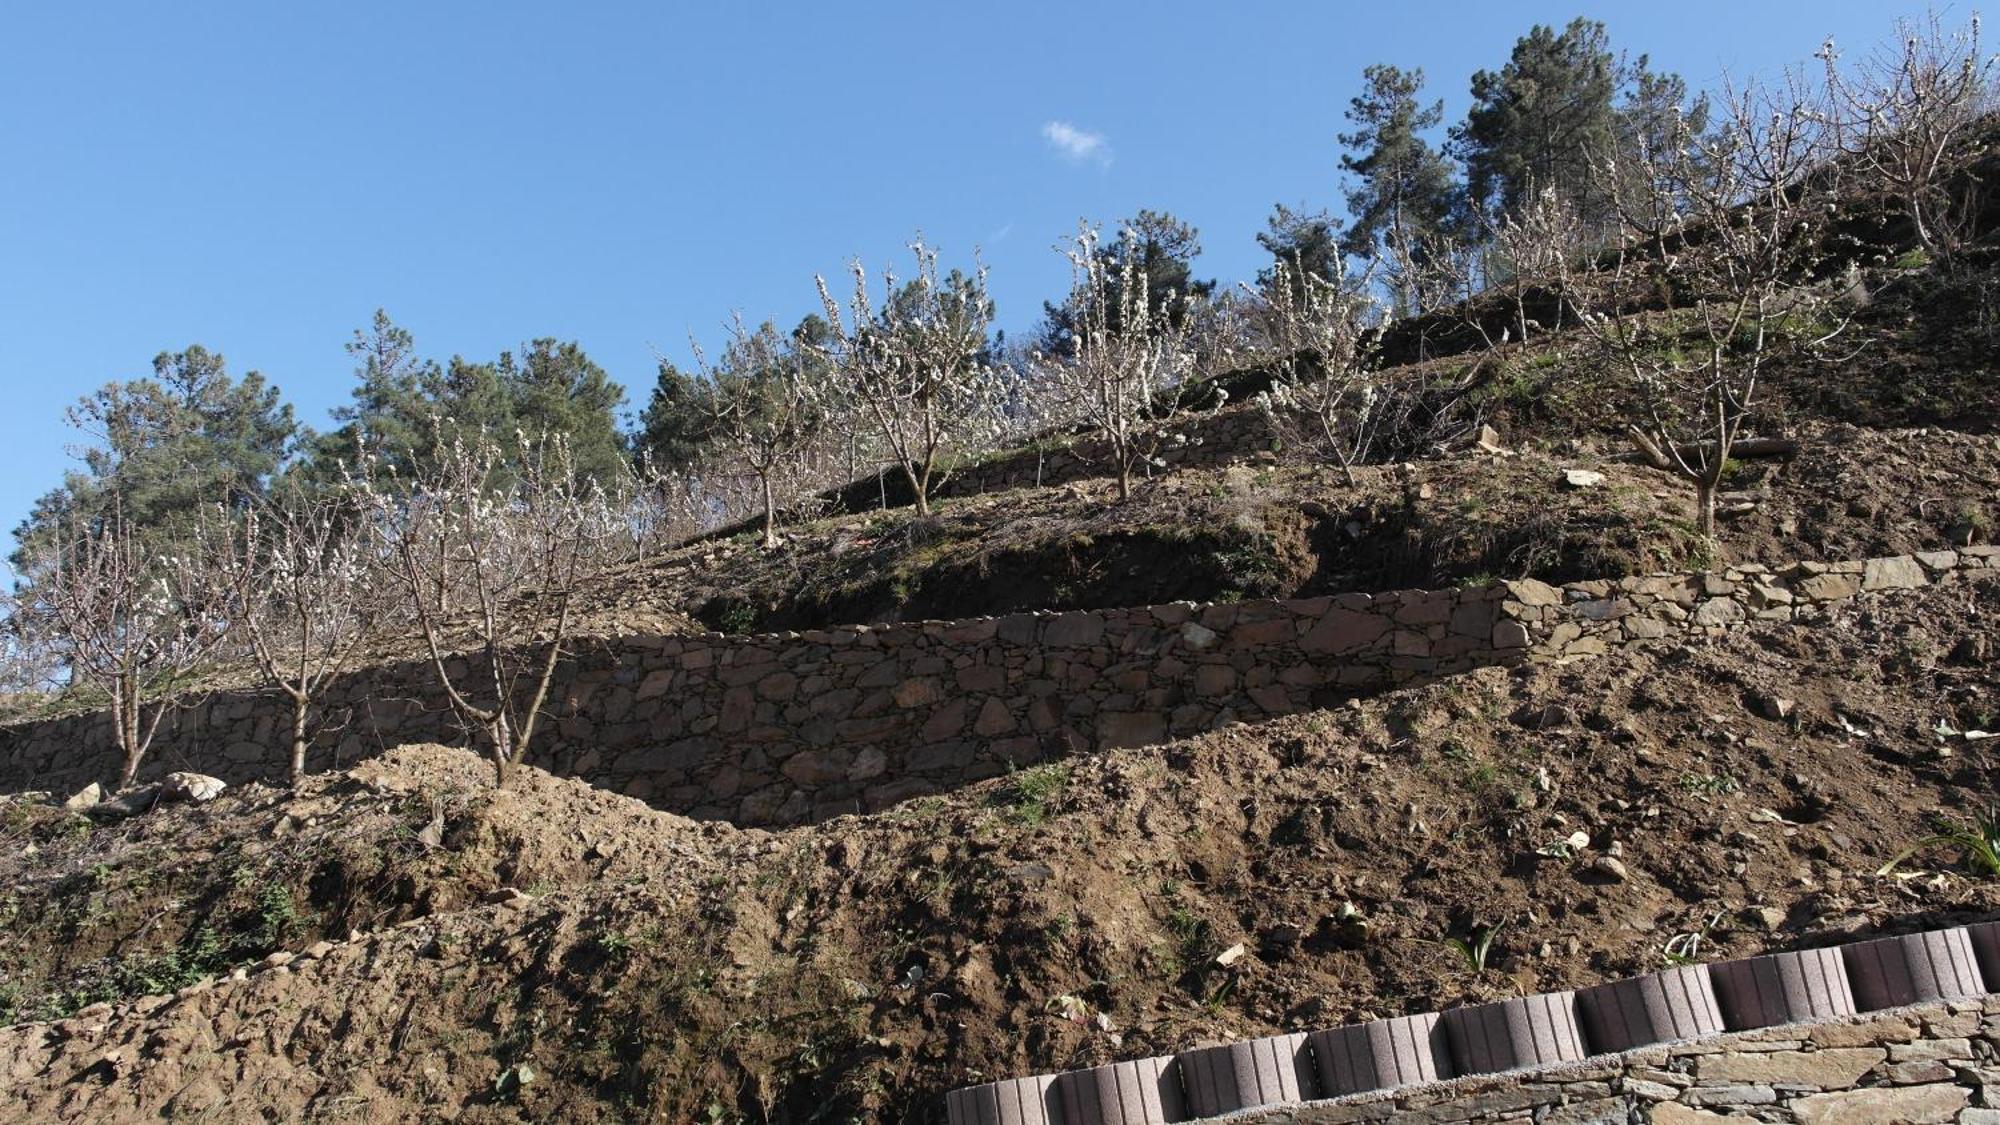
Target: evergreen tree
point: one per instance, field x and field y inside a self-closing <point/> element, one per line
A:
<point x="679" y="421"/>
<point x="1162" y="249"/>
<point x="163" y="447"/>
<point x="1540" y="121"/>
<point x="554" y="388"/>
<point x="1304" y="242"/>
<point x="674" y="427"/>
<point x="1655" y="109"/>
<point x="402" y="404"/>
<point x="391" y="406"/>
<point x="1404" y="189"/>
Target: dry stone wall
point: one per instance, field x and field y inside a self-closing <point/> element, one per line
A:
<point x="781" y="728"/>
<point x="1901" y="1028"/>
<point x="1593" y="618"/>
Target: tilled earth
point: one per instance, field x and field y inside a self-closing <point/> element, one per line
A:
<point x="554" y="952"/>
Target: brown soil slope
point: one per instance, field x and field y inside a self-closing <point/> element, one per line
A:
<point x="659" y="969"/>
<point x="1292" y="527"/>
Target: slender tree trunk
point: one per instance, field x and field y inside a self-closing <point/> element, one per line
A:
<point x="770" y="512"/>
<point x="1704" y="503"/>
<point x="920" y="485"/>
<point x="502" y="735"/>
<point x="298" y="739"/>
<point x="126" y="715"/>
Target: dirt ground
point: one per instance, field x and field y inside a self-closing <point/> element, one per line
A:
<point x="641" y="966"/>
<point x="1291" y="527"/>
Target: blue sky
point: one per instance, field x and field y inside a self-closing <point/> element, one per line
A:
<point x="259" y="178"/>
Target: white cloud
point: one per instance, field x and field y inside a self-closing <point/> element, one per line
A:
<point x="1076" y="144"/>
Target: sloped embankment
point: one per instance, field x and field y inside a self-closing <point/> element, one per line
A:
<point x="1059" y="917"/>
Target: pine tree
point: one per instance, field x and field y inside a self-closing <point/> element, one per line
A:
<point x="1404" y="189"/>
<point x="554" y="388"/>
<point x="163" y="447"/>
<point x="1302" y="242"/>
<point x="391" y="405"/>
<point x="1156" y="246"/>
<point x="403" y="405"/>
<point x="1540" y="121"/>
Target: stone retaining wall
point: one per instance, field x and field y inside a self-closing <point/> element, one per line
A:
<point x="786" y="727"/>
<point x="1689" y="1044"/>
<point x="1592" y="618"/>
<point x="779" y="728"/>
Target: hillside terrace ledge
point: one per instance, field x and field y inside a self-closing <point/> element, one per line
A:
<point x="776" y="729"/>
<point x="1658" y="1046"/>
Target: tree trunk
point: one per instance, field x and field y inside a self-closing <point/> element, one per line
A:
<point x="1124" y="479"/>
<point x="770" y="514"/>
<point x="298" y="741"/>
<point x="502" y="735"/>
<point x="920" y="487"/>
<point x="127" y="717"/>
<point x="1704" y="507"/>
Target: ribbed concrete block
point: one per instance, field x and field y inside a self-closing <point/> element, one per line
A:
<point x="1242" y="1075"/>
<point x="1527" y="1031"/>
<point x="1676" y="1003"/>
<point x="1021" y="1101"/>
<point x="1782" y="988"/>
<point x="1986" y="950"/>
<point x="1381" y="1055"/>
<point x="1140" y="1092"/>
<point x="1891" y="972"/>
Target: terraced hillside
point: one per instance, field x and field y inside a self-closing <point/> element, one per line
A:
<point x="551" y="950"/>
<point x="1044" y="781"/>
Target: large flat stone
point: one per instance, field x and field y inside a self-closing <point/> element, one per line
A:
<point x="1833" y="1069"/>
<point x="1910" y="1105"/>
<point x="1897" y="572"/>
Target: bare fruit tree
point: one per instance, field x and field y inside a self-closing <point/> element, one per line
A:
<point x="1124" y="359"/>
<point x="305" y="591"/>
<point x="1534" y="242"/>
<point x="124" y="619"/>
<point x="1907" y="115"/>
<point x="1722" y="229"/>
<point x="1323" y="334"/>
<point x="511" y="540"/>
<point x="916" y="366"/>
<point x="766" y="400"/>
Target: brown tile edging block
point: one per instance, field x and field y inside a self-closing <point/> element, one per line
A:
<point x="1020" y="1101"/>
<point x="1268" y="1071"/>
<point x="1814" y="986"/>
<point x="1892" y="972"/>
<point x="1140" y="1092"/>
<point x="1510" y="1034"/>
<point x="1381" y="1055"/>
<point x="1985" y="938"/>
<point x="1673" y="1004"/>
<point x="1781" y="988"/>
